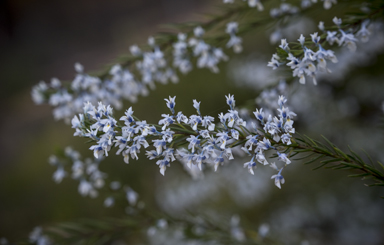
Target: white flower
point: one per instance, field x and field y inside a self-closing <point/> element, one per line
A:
<point x="198" y="31"/>
<point x="321" y="25"/>
<point x="79" y="68"/>
<point x="261" y="158"/>
<point x="132" y="196"/>
<point x="286" y="139"/>
<point x="196" y="105"/>
<point x="301" y="40"/>
<point x="250" y="165"/>
<point x="283" y="157"/>
<point x="282" y="100"/>
<point x="336" y="20"/>
<point x="162" y="165"/>
<point x="331" y="37"/>
<point x="135" y="50"/>
<point x="328" y="3"/>
<point x="232" y="27"/>
<point x="315" y="38"/>
<point x="284" y="44"/>
<point x="59" y="175"/>
<point x="279" y="179"/>
<point x="171" y="103"/>
<point x="235" y="42"/>
<point x="207" y="122"/>
<point x="364" y="32"/>
<point x="151" y="41"/>
<point x="85" y="188"/>
<point x="109" y="202"/>
<point x="256" y="3"/>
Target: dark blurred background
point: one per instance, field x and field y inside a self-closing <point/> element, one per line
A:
<point x="43" y="39"/>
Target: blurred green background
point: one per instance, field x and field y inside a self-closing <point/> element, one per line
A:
<point x="42" y="39"/>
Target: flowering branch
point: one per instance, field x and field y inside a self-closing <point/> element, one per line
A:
<point x="329" y="154"/>
<point x="91" y="180"/>
<point x="208" y="144"/>
<point x="307" y="62"/>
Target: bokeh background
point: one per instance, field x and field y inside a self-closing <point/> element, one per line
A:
<point x="42" y="39"/>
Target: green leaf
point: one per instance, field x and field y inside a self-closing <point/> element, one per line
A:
<point x="311" y="140"/>
<point x="357" y="157"/>
<point x="341" y="152"/>
<point x="368" y="156"/>
<point x="302" y="150"/>
<point x="374" y="170"/>
<point x="314" y="159"/>
<point x="322" y="150"/>
<point x="304" y="157"/>
<point x="328" y="141"/>
<point x="358" y="175"/>
<point x="321" y="165"/>
<point x="351" y="165"/>
<point x="340" y="166"/>
<point x="382" y="165"/>
<point x="332" y="160"/>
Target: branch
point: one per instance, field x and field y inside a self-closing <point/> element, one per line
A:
<point x="334" y="158"/>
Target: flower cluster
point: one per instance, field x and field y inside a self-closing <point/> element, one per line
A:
<point x="209" y="144"/>
<point x="86" y="172"/>
<point x="267" y="98"/>
<point x="310" y="64"/>
<point x="234" y="41"/>
<point x="288" y="28"/>
<point x="279" y="128"/>
<point x="208" y="56"/>
<point x="152" y="65"/>
<point x="344" y="38"/>
<point x="68" y="99"/>
<point x="90" y="178"/>
<point x="312" y="61"/>
<point x="127" y="83"/>
<point x="181" y="59"/>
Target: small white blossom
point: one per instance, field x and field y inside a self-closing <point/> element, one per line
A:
<point x="284" y="44"/>
<point x="196" y="105"/>
<point x="59" y="175"/>
<point x="232" y="27"/>
<point x="132" y="196"/>
<point x="79" y="68"/>
<point x="328" y="3"/>
<point x="321" y="25"/>
<point x="135" y="50"/>
<point x="109" y="202"/>
<point x="279" y="179"/>
<point x="198" y="31"/>
<point x="301" y="40"/>
<point x="337" y="21"/>
<point x="364" y="33"/>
